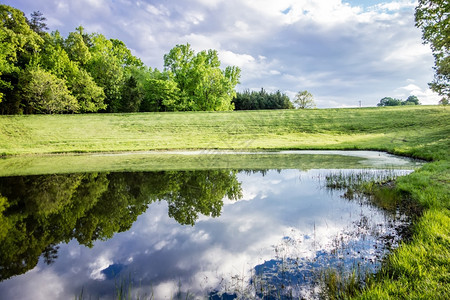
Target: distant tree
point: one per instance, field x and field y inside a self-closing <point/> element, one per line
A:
<point x="164" y="95"/>
<point x="37" y="22"/>
<point x="411" y="100"/>
<point x="108" y="66"/>
<point x="444" y="101"/>
<point x="54" y="59"/>
<point x="44" y="93"/>
<point x="432" y="16"/>
<point x="261" y="100"/>
<point x="388" y="101"/>
<point x="304" y="99"/>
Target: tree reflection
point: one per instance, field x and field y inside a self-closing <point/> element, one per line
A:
<point x="39" y="212"/>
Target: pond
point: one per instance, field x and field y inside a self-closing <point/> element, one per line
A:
<point x="207" y="230"/>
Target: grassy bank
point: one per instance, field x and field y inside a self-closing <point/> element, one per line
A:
<point x="414" y="131"/>
<point x="419" y="269"/>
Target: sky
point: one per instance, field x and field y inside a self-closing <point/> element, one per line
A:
<point x="345" y="52"/>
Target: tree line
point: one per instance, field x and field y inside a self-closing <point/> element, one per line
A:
<point x="44" y="72"/>
<point x="253" y="100"/>
<point x="389" y="101"/>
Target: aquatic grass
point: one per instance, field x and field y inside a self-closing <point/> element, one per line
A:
<point x="336" y="284"/>
<point x="361" y="180"/>
<point x="378" y="186"/>
<point x="419" y="268"/>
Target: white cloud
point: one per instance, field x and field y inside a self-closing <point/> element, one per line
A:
<point x="161" y="11"/>
<point x="425" y="95"/>
<point x="240" y="60"/>
<point x="395" y="5"/>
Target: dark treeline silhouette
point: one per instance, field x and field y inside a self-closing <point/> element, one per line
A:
<point x="252" y="100"/>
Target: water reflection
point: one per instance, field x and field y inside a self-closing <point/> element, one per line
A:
<point x="285" y="224"/>
<point x="39" y="212"/>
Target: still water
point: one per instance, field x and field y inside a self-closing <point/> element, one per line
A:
<point x="220" y="234"/>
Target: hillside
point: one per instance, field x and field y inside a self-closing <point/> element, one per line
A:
<point x="420" y="131"/>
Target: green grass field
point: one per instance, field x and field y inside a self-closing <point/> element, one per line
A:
<point x="414" y="131"/>
<point x="418" y="269"/>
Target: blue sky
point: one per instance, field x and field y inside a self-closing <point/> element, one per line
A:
<point x="342" y="51"/>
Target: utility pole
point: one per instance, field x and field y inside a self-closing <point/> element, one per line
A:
<point x="360" y="103"/>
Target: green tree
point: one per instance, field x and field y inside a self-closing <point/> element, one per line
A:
<point x="388" y="101"/>
<point x="89" y="96"/>
<point x="304" y="99"/>
<point x="411" y="100"/>
<point x="444" y="101"/>
<point x="162" y="95"/>
<point x="200" y="79"/>
<point x="131" y="96"/>
<point x="107" y="71"/>
<point x="54" y="59"/>
<point x="109" y="64"/>
<point x="18" y="44"/>
<point x="43" y="92"/>
<point x="432" y="17"/>
<point x="261" y="100"/>
<point x="76" y="48"/>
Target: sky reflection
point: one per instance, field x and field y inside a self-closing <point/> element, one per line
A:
<point x="283" y="215"/>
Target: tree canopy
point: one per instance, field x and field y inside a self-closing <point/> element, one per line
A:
<point x="44" y="72"/>
<point x="200" y="79"/>
<point x="432" y="17"/>
<point x="304" y="99"/>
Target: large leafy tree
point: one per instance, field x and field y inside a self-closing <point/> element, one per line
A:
<point x="18" y="44"/>
<point x="432" y="16"/>
<point x="200" y="79"/>
<point x="108" y="66"/>
<point x="55" y="59"/>
<point x="43" y="92"/>
<point x="76" y="47"/>
<point x="163" y="95"/>
<point x="107" y="71"/>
